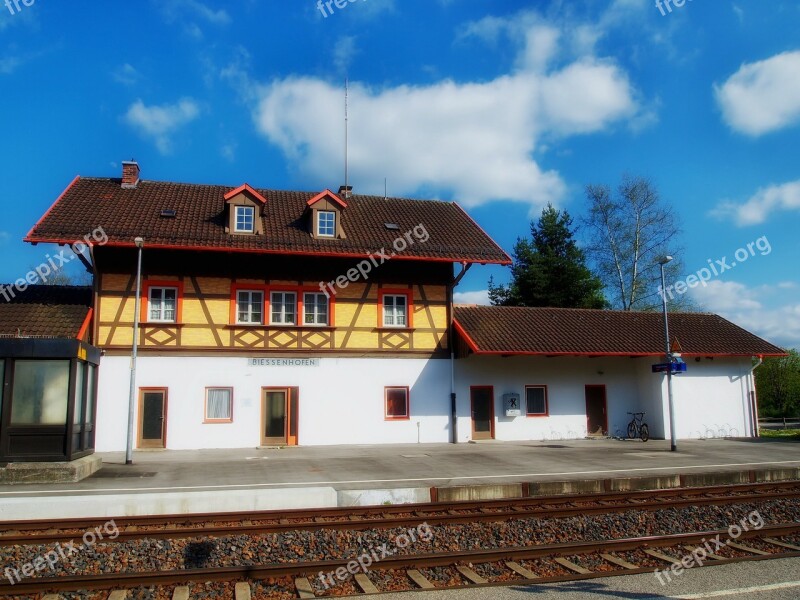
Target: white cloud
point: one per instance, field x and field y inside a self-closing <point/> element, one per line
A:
<point x="472" y="141"/>
<point x="759" y="207"/>
<point x="174" y="9"/>
<point x="762" y="97"/>
<point x="160" y="122"/>
<point x="745" y="307"/>
<point x="9" y="65"/>
<point x="343" y="52"/>
<point x="126" y="75"/>
<point x="480" y="297"/>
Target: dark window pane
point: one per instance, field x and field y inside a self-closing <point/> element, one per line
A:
<point x="396" y="402"/>
<point x="537" y="403"/>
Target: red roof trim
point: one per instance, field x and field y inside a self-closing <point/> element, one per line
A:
<point x="470" y="342"/>
<point x="401" y="256"/>
<point x="86" y="322"/>
<point x="246" y="188"/>
<point x="27" y="238"/>
<point x="474" y="347"/>
<point x="483" y="231"/>
<point x="327" y="194"/>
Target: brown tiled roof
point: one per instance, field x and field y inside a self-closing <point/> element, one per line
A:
<point x="514" y="330"/>
<point x="45" y="311"/>
<point x="125" y="214"/>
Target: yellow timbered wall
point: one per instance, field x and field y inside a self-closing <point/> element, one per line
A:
<point x="205" y="320"/>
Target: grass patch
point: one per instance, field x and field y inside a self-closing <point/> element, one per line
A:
<point x="784" y="434"/>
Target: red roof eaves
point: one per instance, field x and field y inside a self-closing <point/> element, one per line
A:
<point x="466" y="214"/>
<point x="86" y="322"/>
<point x="327" y="194"/>
<point x="470" y="342"/>
<point x="27" y="238"/>
<point x="245" y="188"/>
<point x="474" y="347"/>
<point x="405" y="256"/>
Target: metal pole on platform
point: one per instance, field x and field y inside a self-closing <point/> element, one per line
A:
<point x="673" y="438"/>
<point x="132" y="392"/>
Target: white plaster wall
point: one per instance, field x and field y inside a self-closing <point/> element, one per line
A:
<point x="341" y="401"/>
<point x="711" y="399"/>
<point x="565" y="378"/>
<point x="712" y="395"/>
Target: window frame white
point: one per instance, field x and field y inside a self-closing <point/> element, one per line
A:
<point x="161" y="308"/>
<point x="283" y="304"/>
<point x="250" y="303"/>
<point x="332" y="224"/>
<point x="327" y="304"/>
<point x="393" y="297"/>
<point x="251" y="212"/>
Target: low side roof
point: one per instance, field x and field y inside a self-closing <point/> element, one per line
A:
<point x="579" y="332"/>
<point x="45" y="311"/>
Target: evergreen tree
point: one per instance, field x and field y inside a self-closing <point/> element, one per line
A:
<point x="550" y="269"/>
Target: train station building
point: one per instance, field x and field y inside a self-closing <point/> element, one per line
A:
<point x="277" y="318"/>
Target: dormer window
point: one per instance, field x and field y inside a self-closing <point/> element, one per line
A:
<point x="326" y="223"/>
<point x="244" y="211"/>
<point x="324" y="216"/>
<point x="245" y="219"/>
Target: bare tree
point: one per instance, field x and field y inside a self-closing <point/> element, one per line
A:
<point x="627" y="234"/>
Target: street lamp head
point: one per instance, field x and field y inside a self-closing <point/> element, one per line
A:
<point x="139" y="242"/>
<point x="662" y="260"/>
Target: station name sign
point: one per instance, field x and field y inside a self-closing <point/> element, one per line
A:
<point x="283" y="362"/>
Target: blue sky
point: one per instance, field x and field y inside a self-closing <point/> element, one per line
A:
<point x="500" y="105"/>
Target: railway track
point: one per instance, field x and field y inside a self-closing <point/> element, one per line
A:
<point x="450" y="562"/>
<point x="478" y="568"/>
<point x="371" y="517"/>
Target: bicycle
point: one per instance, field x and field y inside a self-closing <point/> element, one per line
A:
<point x="638" y="428"/>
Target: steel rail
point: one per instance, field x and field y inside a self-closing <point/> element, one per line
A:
<point x="356" y="518"/>
<point x="442" y="515"/>
<point x="279" y="570"/>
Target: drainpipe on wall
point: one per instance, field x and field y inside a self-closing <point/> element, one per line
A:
<point x="453" y="405"/>
<point x="754" y="401"/>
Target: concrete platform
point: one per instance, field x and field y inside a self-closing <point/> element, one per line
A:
<point x="50" y="472"/>
<point x="229" y="480"/>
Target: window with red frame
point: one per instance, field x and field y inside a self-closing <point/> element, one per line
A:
<point x="397" y="403"/>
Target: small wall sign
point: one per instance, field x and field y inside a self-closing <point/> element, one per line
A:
<point x="283" y="362"/>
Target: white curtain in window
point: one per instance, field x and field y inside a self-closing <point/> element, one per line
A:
<point x="218" y="404"/>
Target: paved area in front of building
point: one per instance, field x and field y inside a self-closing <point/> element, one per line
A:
<point x="263" y="479"/>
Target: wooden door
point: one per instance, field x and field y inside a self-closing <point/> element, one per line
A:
<point x="596" y="413"/>
<point x="152" y="418"/>
<point x="482" y="401"/>
<point x="279" y="410"/>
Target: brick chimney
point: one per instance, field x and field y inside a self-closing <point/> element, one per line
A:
<point x="130" y="174"/>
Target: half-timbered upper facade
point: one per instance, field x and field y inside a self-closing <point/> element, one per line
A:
<point x="267" y="315"/>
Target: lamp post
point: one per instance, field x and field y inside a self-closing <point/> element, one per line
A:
<point x="673" y="439"/>
<point x="132" y="394"/>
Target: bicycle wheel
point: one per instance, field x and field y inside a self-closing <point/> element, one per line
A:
<point x="631" y="430"/>
<point x="644" y="432"/>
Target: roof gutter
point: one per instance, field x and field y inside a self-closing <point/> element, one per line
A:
<point x="756" y="429"/>
<point x="465" y="266"/>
